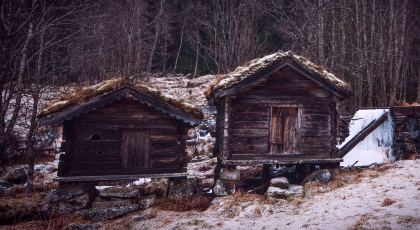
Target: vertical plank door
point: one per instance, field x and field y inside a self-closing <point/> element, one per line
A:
<point x="284" y="130"/>
<point x="135" y="149"/>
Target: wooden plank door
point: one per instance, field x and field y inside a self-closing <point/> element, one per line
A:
<point x="136" y="146"/>
<point x="284" y="132"/>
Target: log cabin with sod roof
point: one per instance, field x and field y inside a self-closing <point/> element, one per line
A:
<point x="120" y="130"/>
<point x="278" y="110"/>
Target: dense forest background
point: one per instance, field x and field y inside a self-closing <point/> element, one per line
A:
<point x="372" y="44"/>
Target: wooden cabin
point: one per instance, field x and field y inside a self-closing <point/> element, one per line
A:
<point x="279" y="109"/>
<point x="126" y="133"/>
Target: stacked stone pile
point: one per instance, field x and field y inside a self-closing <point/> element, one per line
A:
<point x="404" y="147"/>
<point x="280" y="188"/>
<point x="112" y="203"/>
<point x="226" y="181"/>
<point x="70" y="199"/>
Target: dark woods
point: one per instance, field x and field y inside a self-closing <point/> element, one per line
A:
<point x="373" y="45"/>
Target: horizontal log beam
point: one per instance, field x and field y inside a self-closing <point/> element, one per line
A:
<point x="119" y="177"/>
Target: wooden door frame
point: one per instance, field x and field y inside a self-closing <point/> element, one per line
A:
<point x="121" y="130"/>
<point x="299" y="124"/>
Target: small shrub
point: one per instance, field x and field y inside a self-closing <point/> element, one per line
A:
<point x="388" y="202"/>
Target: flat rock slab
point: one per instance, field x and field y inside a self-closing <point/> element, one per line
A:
<point x="69" y="192"/>
<point x="230" y="174"/>
<point x="280" y="182"/>
<point x="132" y="193"/>
<point x="224" y="187"/>
<point x="274" y="192"/>
<point x="146" y="202"/>
<point x="322" y="176"/>
<point x="111" y="204"/>
<point x="83" y="226"/>
<point x="185" y="189"/>
<point x="71" y="205"/>
<point x="109" y="213"/>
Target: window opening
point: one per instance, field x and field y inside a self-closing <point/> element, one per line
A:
<point x="99" y="152"/>
<point x="96" y="137"/>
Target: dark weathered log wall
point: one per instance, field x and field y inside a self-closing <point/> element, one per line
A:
<point x="86" y="157"/>
<point x="250" y="113"/>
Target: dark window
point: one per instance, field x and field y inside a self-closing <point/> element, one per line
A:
<point x="99" y="152"/>
<point x="96" y="137"/>
<point x="284" y="131"/>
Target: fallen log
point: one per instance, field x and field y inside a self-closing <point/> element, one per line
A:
<point x="362" y="134"/>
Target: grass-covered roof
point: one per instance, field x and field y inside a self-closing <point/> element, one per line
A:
<point x="242" y="72"/>
<point x="82" y="95"/>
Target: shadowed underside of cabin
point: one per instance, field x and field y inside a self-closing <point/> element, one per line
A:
<point x="283" y="116"/>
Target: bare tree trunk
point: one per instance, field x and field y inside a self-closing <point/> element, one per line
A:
<point x="157" y="29"/>
<point x="29" y="142"/>
<point x="321" y="32"/>
<point x="180" y="45"/>
<point x="5" y="136"/>
<point x="197" y="55"/>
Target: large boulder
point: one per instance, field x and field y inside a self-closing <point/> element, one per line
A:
<point x="70" y="192"/>
<point x="224" y="187"/>
<point x="130" y="193"/>
<point x="280" y="182"/>
<point x="322" y="176"/>
<point x="109" y="213"/>
<point x="184" y="189"/>
<point x="274" y="192"/>
<point x="17" y="176"/>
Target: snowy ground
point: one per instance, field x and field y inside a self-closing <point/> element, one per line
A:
<point x="362" y="204"/>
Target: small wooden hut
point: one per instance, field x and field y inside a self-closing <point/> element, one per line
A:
<point x="116" y="130"/>
<point x="279" y="109"/>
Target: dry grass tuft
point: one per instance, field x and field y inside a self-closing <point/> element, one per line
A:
<point x="157" y="187"/>
<point x="388" y="202"/>
<point x="164" y="222"/>
<point x="179" y="205"/>
<point x="407" y="219"/>
<point x="208" y="93"/>
<point x="240" y="197"/>
<point x="363" y="222"/>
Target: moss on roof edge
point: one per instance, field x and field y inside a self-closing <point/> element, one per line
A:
<point x="254" y="66"/>
<point x="82" y="95"/>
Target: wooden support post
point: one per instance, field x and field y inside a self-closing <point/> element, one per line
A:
<point x="265" y="180"/>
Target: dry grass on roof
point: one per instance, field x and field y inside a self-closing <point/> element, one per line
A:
<point x="82" y="95"/>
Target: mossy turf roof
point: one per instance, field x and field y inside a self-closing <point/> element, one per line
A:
<point x="85" y="94"/>
<point x="256" y="65"/>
